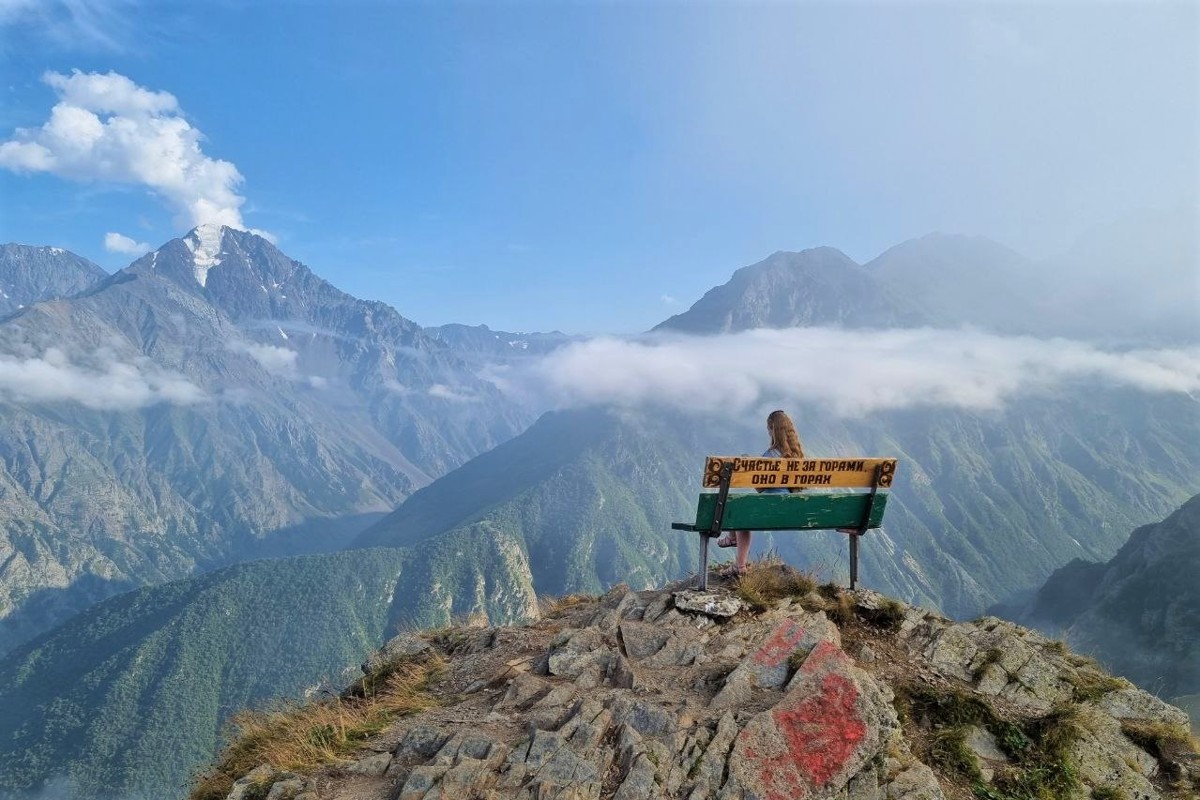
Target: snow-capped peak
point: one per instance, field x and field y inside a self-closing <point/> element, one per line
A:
<point x="205" y="244"/>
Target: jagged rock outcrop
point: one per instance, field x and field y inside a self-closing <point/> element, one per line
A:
<point x="819" y="694"/>
<point x="1139" y="613"/>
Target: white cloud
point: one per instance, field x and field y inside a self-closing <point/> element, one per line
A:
<point x="100" y="382"/>
<point x="105" y="127"/>
<point x="276" y="360"/>
<point x="117" y="243"/>
<point x="669" y="300"/>
<point x="851" y="372"/>
<point x="443" y="392"/>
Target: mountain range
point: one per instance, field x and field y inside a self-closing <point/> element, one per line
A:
<point x="217" y="402"/>
<point x="214" y="401"/>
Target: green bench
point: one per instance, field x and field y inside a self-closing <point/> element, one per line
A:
<point x="855" y="505"/>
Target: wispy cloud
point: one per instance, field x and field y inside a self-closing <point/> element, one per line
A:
<point x="107" y="128"/>
<point x="98" y="381"/>
<point x="851" y="372"/>
<point x="73" y="24"/>
<point x="443" y="392"/>
<point x="119" y="243"/>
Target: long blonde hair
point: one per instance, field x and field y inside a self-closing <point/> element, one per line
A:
<point x="783" y="435"/>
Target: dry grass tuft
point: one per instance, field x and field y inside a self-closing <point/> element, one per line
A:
<point x="837" y="603"/>
<point x="303" y="738"/>
<point x="768" y="581"/>
<point x="1090" y="683"/>
<point x="551" y="606"/>
<point x="1173" y="746"/>
<point x="888" y="616"/>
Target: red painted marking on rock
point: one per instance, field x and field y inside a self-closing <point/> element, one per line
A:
<point x="821" y="732"/>
<point x="780" y="645"/>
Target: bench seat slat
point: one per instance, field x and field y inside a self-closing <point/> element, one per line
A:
<point x="787" y="512"/>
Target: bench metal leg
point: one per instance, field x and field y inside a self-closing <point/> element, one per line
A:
<point x="702" y="579"/>
<point x="854" y="560"/>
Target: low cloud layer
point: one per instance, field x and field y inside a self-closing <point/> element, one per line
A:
<point x="852" y="373"/>
<point x="99" y="382"/>
<point x="105" y="127"/>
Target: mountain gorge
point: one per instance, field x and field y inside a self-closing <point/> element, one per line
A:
<point x="984" y="505"/>
<point x="128" y="698"/>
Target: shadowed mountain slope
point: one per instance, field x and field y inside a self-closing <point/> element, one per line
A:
<point x="128" y="698"/>
<point x="1139" y="613"/>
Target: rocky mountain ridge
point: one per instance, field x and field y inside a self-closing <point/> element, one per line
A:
<point x="767" y="689"/>
<point x="1139" y="613"/>
<point x="30" y="274"/>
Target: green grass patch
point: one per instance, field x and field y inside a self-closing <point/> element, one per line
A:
<point x="1038" y="747"/>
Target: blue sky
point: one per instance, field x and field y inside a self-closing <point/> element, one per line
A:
<point x="595" y="167"/>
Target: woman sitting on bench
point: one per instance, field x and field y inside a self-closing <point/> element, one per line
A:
<point x="784" y="444"/>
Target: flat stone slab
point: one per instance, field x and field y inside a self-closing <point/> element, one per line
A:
<point x="714" y="604"/>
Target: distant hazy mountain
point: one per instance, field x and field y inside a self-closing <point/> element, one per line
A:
<point x="212" y="402"/>
<point x="822" y="286"/>
<point x="30" y="274"/>
<point x="481" y="343"/>
<point x="129" y="698"/>
<point x="963" y="280"/>
<point x="1135" y="281"/>
<point x="1139" y="613"/>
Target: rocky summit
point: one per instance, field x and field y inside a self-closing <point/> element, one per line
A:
<point x="764" y="688"/>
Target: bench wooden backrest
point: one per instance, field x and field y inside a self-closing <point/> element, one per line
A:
<point x="782" y="473"/>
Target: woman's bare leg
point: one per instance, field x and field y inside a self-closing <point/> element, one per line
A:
<point x="743" y="550"/>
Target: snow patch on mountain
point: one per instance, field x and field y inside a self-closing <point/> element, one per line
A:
<point x="205" y="244"/>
